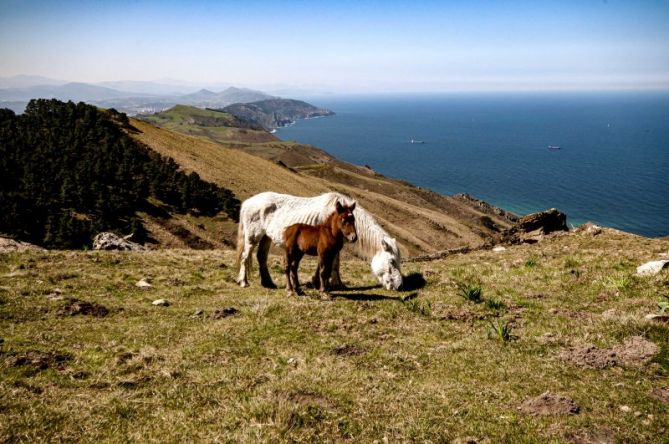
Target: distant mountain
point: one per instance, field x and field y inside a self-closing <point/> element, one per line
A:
<point x="146" y="87"/>
<point x="24" y="81"/>
<point x="142" y="97"/>
<point x="276" y="112"/>
<point x="209" y="99"/>
<point x="70" y="91"/>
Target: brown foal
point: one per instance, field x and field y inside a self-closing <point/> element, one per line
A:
<point x="324" y="241"/>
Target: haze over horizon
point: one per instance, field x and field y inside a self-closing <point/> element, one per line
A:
<point x="344" y="47"/>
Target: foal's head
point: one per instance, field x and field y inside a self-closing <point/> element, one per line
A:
<point x="344" y="221"/>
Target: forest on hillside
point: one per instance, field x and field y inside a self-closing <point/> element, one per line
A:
<point x="69" y="171"/>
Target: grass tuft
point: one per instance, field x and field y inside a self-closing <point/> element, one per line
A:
<point x="500" y="329"/>
<point x="471" y="292"/>
<point x="415" y="305"/>
<point x="494" y="304"/>
<point x="531" y="261"/>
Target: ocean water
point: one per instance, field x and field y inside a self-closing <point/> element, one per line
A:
<point x="612" y="167"/>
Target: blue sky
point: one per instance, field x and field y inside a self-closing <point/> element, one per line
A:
<point x="356" y="46"/>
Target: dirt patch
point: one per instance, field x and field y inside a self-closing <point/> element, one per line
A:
<point x="590" y="356"/>
<point x="598" y="436"/>
<point x="38" y="361"/>
<point x="348" y="350"/>
<point x="549" y="404"/>
<point x="224" y="313"/>
<point x="75" y="307"/>
<point x="634" y="351"/>
<point x="661" y="394"/>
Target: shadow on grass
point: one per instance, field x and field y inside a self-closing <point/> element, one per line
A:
<point x="413" y="282"/>
<point x="372" y="297"/>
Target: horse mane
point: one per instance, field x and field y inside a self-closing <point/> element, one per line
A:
<point x="370" y="233"/>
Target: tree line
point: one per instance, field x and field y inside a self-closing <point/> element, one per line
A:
<point x="69" y="171"/>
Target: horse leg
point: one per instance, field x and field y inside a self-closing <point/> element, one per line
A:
<point x="261" y="255"/>
<point x="335" y="277"/>
<point x="245" y="262"/>
<point x="288" y="264"/>
<point x="296" y="267"/>
<point x="324" y="268"/>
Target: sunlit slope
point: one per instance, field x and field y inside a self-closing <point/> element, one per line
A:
<point x="421" y="220"/>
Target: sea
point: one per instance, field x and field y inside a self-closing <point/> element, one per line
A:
<point x="600" y="157"/>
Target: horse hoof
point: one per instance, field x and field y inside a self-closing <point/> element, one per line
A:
<point x="270" y="285"/>
<point x="289" y="293"/>
<point x="300" y="292"/>
<point x="243" y="284"/>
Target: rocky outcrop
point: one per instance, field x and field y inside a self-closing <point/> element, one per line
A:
<point x="535" y="226"/>
<point x="275" y="113"/>
<point x="8" y="245"/>
<point x="111" y="241"/>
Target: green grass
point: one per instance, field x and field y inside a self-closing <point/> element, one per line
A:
<point x="427" y="366"/>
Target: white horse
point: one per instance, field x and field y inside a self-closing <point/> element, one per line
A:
<point x="263" y="218"/>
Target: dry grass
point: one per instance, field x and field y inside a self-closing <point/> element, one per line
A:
<point x="368" y="365"/>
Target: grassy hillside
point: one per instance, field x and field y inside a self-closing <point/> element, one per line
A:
<point x="252" y="365"/>
<point x="423" y="221"/>
<point x="215" y="125"/>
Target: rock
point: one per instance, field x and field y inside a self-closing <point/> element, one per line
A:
<point x="549" y="404"/>
<point x="589" y="228"/>
<point x="499" y="248"/>
<point x="161" y="303"/>
<point x="534" y="227"/>
<point x="292" y="361"/>
<point x="651" y="268"/>
<point x="657" y="317"/>
<point x="142" y="283"/>
<point x="8" y="245"/>
<point x="625" y="408"/>
<point x="111" y="241"/>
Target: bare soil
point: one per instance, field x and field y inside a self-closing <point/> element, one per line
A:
<point x="634" y="351"/>
<point x="549" y="404"/>
<point x="75" y="307"/>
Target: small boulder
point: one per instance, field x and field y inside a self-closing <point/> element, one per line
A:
<point x="498" y="248"/>
<point x="589" y="228"/>
<point x="111" y="241"/>
<point x="651" y="268"/>
<point x="8" y="245"/>
<point x="535" y="226"/>
<point x="142" y="283"/>
<point x="161" y="303"/>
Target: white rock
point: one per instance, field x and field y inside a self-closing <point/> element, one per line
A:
<point x="292" y="361"/>
<point x="143" y="284"/>
<point x="657" y="317"/>
<point x="499" y="248"/>
<point x="625" y="408"/>
<point x="161" y="303"/>
<point x="651" y="268"/>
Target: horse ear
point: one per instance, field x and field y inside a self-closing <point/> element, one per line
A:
<point x="340" y="209"/>
<point x="352" y="207"/>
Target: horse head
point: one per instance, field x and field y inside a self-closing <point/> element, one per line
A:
<point x="344" y="221"/>
<point x="386" y="264"/>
